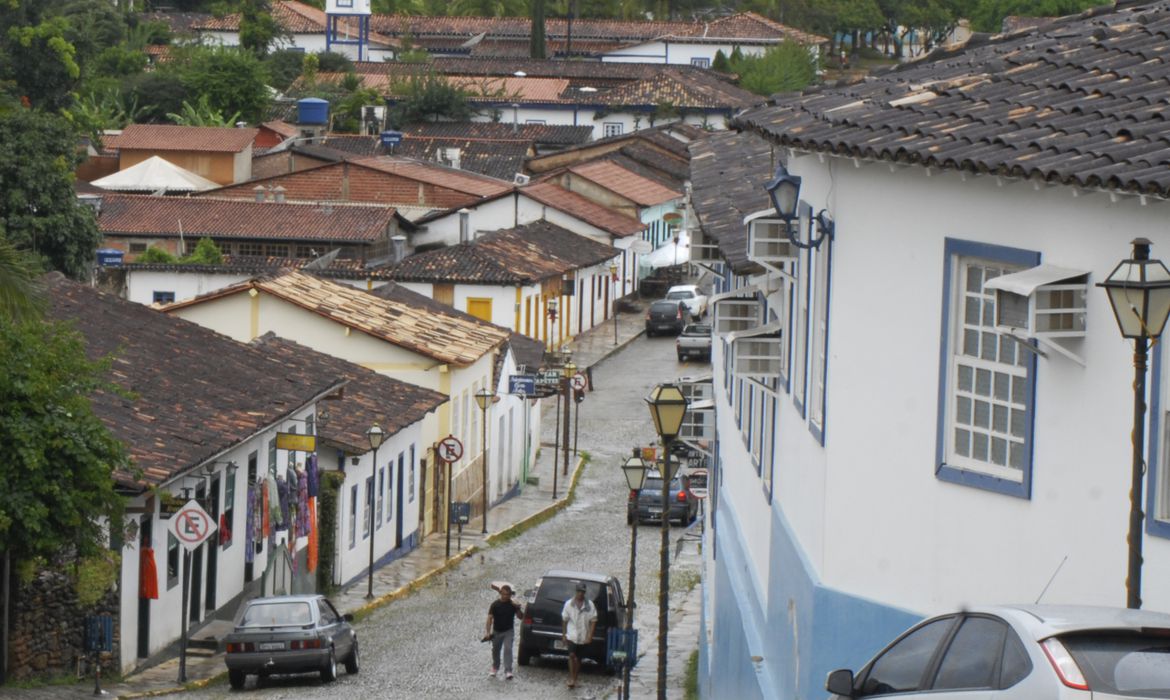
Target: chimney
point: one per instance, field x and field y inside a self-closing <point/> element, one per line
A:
<point x="260" y="192"/>
<point x="278" y="194"/>
<point x="399" y="242"/>
<point x="464" y="225"/>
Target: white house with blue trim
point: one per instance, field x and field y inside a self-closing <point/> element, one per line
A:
<point x="932" y="408"/>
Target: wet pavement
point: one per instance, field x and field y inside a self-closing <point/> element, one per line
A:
<point x="425" y="591"/>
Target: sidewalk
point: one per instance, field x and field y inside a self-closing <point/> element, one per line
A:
<point x="402" y="576"/>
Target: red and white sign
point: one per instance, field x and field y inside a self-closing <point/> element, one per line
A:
<point x="450" y="449"/>
<point x="191" y="525"/>
<point x="578" y="381"/>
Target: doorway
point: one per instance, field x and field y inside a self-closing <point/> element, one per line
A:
<point x="144" y="603"/>
<point x="213" y="546"/>
<point x="398" y="503"/>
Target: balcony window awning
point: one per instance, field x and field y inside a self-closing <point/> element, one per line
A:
<point x="745" y="292"/>
<point x="772" y="328"/>
<point x="1025" y="282"/>
<point x="704" y="405"/>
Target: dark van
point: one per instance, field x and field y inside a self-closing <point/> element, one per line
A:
<point x="540" y="632"/>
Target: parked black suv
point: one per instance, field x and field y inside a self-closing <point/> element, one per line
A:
<point x="540" y="632"/>
<point x="646" y="504"/>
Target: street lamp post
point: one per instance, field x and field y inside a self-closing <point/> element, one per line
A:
<point x="1139" y="291"/>
<point x="567" y="387"/>
<point x="668" y="407"/>
<point x="375" y="436"/>
<point x="484" y="397"/>
<point x="635" y="471"/>
<point x="613" y="279"/>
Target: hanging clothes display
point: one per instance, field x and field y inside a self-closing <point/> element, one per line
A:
<point x="302" y="498"/>
<point x="282" y="503"/>
<point x="251" y="525"/>
<point x="311" y="471"/>
<point x="276" y="508"/>
<point x="225" y="532"/>
<point x="147" y="575"/>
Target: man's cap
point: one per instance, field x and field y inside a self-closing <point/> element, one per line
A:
<point x="581" y="587"/>
<point x="505" y="587"/>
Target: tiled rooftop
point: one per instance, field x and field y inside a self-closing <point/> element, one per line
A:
<point x="168" y="137"/>
<point x="640" y="190"/>
<point x="1079" y="102"/>
<point x="458" y="180"/>
<point x="521" y="255"/>
<point x="228" y="218"/>
<point x="604" y="218"/>
<point x="294" y="18"/>
<point x="693" y="91"/>
<point x="728" y="172"/>
<point x="445" y="339"/>
<point x="499" y="159"/>
<point x="369" y="398"/>
<point x="184" y="403"/>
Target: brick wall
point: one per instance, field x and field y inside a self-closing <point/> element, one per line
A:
<point x="346" y="183"/>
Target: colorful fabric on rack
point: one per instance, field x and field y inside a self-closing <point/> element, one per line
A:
<point x="312" y="534"/>
<point x="302" y="502"/>
<point x="147" y="575"/>
<point x="250" y="525"/>
<point x="274" y="511"/>
<point x="282" y="503"/>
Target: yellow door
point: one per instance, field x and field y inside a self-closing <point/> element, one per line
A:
<point x="480" y="308"/>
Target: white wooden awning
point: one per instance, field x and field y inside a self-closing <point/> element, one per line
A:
<point x="1025" y="282"/>
<point x="745" y="292"/>
<point x="767" y="329"/>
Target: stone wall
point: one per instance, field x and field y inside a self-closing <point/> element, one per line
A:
<point x="47" y="637"/>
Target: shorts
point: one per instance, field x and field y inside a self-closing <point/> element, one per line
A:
<point x="573" y="647"/>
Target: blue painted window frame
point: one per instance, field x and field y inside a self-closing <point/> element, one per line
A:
<point x="818" y="432"/>
<point x="1158" y="527"/>
<point x="957" y="248"/>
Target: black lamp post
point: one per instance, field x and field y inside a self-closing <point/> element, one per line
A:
<point x="668" y="406"/>
<point x="784" y="189"/>
<point x="375" y="436"/>
<point x="483" y="398"/>
<point x="1139" y="291"/>
<point x="635" y="471"/>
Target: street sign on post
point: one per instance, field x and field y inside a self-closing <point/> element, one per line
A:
<point x="522" y="384"/>
<point x="578" y="382"/>
<point x="450" y="449"/>
<point x="191" y="525"/>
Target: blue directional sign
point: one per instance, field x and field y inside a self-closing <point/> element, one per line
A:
<point x="391" y="139"/>
<point x="522" y="384"/>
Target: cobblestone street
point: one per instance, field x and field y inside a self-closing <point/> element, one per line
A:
<point x="427" y="644"/>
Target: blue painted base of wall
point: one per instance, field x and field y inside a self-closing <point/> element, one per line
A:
<point x="781" y="643"/>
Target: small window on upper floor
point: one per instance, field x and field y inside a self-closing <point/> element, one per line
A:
<point x="701" y="62"/>
<point x="163" y="297"/>
<point x="612" y="128"/>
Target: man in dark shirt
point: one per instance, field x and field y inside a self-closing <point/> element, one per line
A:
<point x="500" y="625"/>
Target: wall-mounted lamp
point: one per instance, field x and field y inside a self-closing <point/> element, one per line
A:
<point x="784" y="189"/>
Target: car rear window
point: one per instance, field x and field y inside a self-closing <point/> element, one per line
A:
<point x="276" y="614"/>
<point x="697" y="329"/>
<point x="556" y="591"/>
<point x="680" y="295"/>
<point x="664" y="306"/>
<point x="1126" y="664"/>
<point x="653" y="484"/>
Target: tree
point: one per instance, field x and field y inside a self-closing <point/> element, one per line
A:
<point x="39" y="210"/>
<point x="57" y="482"/>
<point x="784" y="67"/>
<point x="720" y="62"/>
<point x="429" y="97"/>
<point x="40" y="63"/>
<point x="205" y="253"/>
<point x="231" y="79"/>
<point x="536" y="40"/>
<point x="20" y="296"/>
<point x="988" y="15"/>
<point x="202" y="114"/>
<point x="258" y="28"/>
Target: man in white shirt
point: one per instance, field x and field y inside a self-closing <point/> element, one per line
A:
<point x="578" y="618"/>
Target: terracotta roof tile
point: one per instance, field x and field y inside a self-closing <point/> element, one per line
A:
<point x="167" y="137"/>
<point x="728" y="173"/>
<point x="1071" y="102"/>
<point x="228" y="218"/>
<point x="369" y="397"/>
<point x="521" y="255"/>
<point x="458" y="180"/>
<point x="613" y="177"/>
<point x="443" y="338"/>
<point x="700" y="91"/>
<point x="557" y="197"/>
<point x="294" y="18"/>
<point x="495" y="158"/>
<point x="184" y="403"/>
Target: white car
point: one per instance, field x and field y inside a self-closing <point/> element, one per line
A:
<point x="690" y="295"/>
<point x="1021" y="652"/>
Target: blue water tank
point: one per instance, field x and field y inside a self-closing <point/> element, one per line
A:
<point x="313" y="110"/>
<point x="109" y="257"/>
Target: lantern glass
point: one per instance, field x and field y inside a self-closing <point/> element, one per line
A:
<point x="483" y="397"/>
<point x="668" y="407"/>
<point x="375" y="436"/>
<point x="1139" y="291"/>
<point x="784" y="189"/>
<point x="635" y="471"/>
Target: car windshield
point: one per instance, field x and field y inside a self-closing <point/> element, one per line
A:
<point x="277" y="614"/>
<point x="683" y="294"/>
<point x="1125" y="664"/>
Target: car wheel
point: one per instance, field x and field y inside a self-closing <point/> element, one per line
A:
<point x="523" y="656"/>
<point x="351" y="661"/>
<point x="237" y="679"/>
<point x="329" y="671"/>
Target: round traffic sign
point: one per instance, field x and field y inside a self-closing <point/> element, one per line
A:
<point x="191" y="525"/>
<point x="450" y="449"/>
<point x="578" y="381"/>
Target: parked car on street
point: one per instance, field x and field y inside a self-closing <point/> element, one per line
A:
<point x="645" y="504"/>
<point x="694" y="341"/>
<point x="290" y="634"/>
<point x="692" y="296"/>
<point x="665" y="316"/>
<point x="540" y="630"/>
<point x="1024" y="652"/>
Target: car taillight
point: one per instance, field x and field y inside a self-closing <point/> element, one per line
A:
<point x="682" y="496"/>
<point x="240" y="647"/>
<point x="1063" y="663"/>
<point x="633" y="494"/>
<point x="527" y="619"/>
<point x="305" y="644"/>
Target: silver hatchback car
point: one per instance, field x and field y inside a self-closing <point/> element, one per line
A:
<point x="1025" y="652"/>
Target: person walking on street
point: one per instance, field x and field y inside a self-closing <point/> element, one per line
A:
<point x="578" y="618"/>
<point x="501" y="621"/>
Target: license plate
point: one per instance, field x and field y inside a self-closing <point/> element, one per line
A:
<point x="559" y="644"/>
<point x="270" y="646"/>
<point x="655" y="511"/>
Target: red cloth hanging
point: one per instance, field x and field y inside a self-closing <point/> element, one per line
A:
<point x="312" y="534"/>
<point x="147" y="575"/>
<point x="225" y="532"/>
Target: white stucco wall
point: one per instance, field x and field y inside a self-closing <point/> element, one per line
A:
<point x="141" y="285"/>
<point x="677" y="53"/>
<point x="867" y="508"/>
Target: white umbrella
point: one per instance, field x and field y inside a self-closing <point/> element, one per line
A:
<point x="670" y="254"/>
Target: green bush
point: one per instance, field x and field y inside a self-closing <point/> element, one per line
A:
<point x="156" y="255"/>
